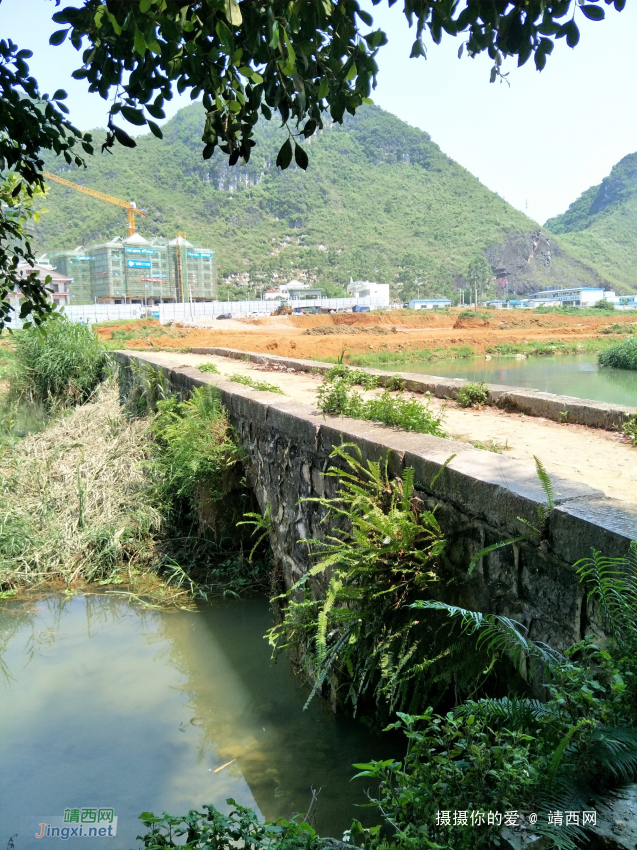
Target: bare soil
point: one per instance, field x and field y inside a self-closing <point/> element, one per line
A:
<point x="395" y="330"/>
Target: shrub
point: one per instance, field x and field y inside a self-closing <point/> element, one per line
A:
<point x="623" y="355"/>
<point x="238" y="830"/>
<point x="605" y="306"/>
<point x="208" y="367"/>
<point x="617" y="328"/>
<point x="59" y="364"/>
<point x="472" y="394"/>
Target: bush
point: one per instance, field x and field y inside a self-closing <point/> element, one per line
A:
<point x="605" y="306"/>
<point x="620" y="356"/>
<point x="59" y="364"/>
<point x="472" y="394"/>
<point x="239" y="830"/>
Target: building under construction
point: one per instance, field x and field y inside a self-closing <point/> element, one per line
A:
<point x="134" y="270"/>
<point x="75" y="265"/>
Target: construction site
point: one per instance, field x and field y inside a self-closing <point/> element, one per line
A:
<point x="135" y="270"/>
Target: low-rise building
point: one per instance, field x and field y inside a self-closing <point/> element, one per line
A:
<point x="429" y="303"/>
<point x="582" y="296"/>
<point x="377" y="292"/>
<point x="58" y="285"/>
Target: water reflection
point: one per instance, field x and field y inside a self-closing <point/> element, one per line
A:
<point x="107" y="704"/>
<point x="574" y="375"/>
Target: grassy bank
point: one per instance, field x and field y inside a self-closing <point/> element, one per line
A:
<point x="142" y="500"/>
<point x="390" y="359"/>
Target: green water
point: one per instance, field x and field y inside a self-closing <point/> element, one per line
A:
<point x="105" y="704"/>
<point x="574" y="375"/>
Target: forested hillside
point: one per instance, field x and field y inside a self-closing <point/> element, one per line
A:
<point x="379" y="201"/>
<point x="600" y="227"/>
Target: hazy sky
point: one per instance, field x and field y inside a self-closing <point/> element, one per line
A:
<point x="539" y="142"/>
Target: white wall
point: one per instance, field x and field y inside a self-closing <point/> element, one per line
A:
<point x="187" y="312"/>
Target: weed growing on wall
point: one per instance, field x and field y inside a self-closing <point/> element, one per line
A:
<point x="247" y="381"/>
<point x="59" y="364"/>
<point x="571" y="751"/>
<point x="337" y="396"/>
<point x="623" y="355"/>
<point x="208" y="367"/>
<point x="472" y="394"/>
<point x="630" y="429"/>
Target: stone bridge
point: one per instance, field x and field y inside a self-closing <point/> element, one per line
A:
<point x="479" y="497"/>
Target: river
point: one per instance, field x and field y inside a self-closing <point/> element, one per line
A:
<point x="106" y="704"/>
<point x="574" y="375"/>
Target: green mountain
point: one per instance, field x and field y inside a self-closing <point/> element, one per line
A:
<point x="600" y="227"/>
<point x="379" y="201"/>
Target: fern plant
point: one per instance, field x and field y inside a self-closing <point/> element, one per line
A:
<point x="347" y="619"/>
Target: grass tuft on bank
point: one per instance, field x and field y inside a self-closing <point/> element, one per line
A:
<point x="59" y="365"/>
<point x="622" y="355"/>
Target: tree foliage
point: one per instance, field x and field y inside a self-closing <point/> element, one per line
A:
<point x="30" y="122"/>
<point x="300" y="59"/>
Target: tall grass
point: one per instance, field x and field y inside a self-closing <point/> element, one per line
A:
<point x="623" y="355"/>
<point x="79" y="501"/>
<point x="59" y="364"/>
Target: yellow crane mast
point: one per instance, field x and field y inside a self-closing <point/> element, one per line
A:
<point x="129" y="206"/>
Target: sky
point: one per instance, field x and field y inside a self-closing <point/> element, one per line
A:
<point x="538" y="142"/>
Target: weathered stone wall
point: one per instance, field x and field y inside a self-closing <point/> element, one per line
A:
<point x="479" y="495"/>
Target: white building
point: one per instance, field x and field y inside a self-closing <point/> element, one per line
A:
<point x="283" y="292"/>
<point x="583" y="296"/>
<point x="58" y="286"/>
<point x="429" y="303"/>
<point x="378" y="292"/>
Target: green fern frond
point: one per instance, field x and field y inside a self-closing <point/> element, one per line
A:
<point x="546" y="483"/>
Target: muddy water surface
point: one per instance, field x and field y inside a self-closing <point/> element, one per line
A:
<point x="105" y="704"/>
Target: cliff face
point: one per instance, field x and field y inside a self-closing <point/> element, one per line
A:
<point x="600" y="227"/>
<point x="536" y="260"/>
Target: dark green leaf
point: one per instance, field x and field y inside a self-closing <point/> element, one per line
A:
<point x="284" y="157"/>
<point x="155" y="130"/>
<point x="155" y="111"/>
<point x="365" y="17"/>
<point x="300" y="156"/>
<point x="593" y="13"/>
<point x="309" y="128"/>
<point x="133" y="116"/>
<point x="58" y="37"/>
<point x="123" y="138"/>
<point x="60" y="94"/>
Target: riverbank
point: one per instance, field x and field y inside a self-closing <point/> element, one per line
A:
<point x="389" y="337"/>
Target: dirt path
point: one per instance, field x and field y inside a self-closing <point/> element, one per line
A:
<point x="598" y="458"/>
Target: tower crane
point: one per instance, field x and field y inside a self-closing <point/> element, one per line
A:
<point x="129" y="206"/>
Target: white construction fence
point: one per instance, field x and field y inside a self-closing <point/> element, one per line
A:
<point x="191" y="312"/>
